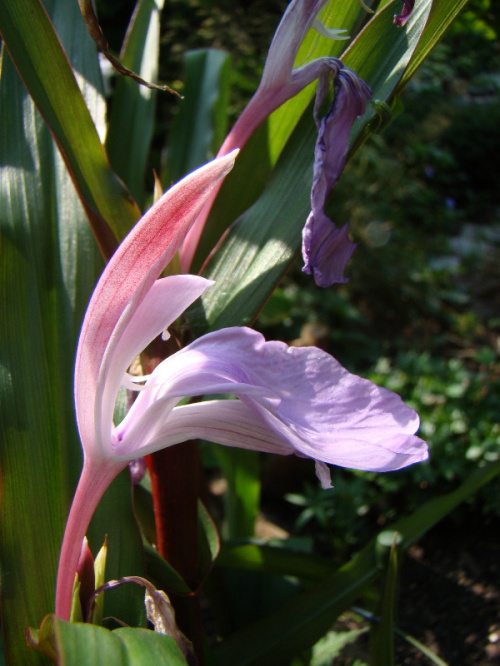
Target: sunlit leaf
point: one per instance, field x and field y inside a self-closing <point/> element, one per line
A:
<point x="200" y="125"/>
<point x="46" y="72"/>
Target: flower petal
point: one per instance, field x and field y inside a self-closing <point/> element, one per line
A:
<point x="226" y="422"/>
<point x="129" y="276"/>
<point x="302" y="396"/>
<point x="163" y="304"/>
<point x="325" y="249"/>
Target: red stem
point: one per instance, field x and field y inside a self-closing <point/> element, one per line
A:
<point x="174" y="480"/>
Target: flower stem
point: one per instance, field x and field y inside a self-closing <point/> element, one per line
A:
<point x="94" y="480"/>
<point x="174" y="480"/>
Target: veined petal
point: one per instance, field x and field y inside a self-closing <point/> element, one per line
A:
<point x="129" y="276"/>
<point x="306" y="400"/>
<point x="163" y="304"/>
<point x="226" y="422"/>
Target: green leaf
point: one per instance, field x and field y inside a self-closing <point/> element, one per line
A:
<point x="443" y="13"/>
<point x="382" y="632"/>
<point x="200" y="125"/>
<point x="381" y="52"/>
<point x="431" y="656"/>
<point x="164" y="575"/>
<point x="303" y="621"/>
<point x="48" y="264"/>
<point x="242" y="501"/>
<point x="262" y="243"/>
<point x="132" y="117"/>
<point x="271" y="559"/>
<point x="332" y="645"/>
<point x="47" y="73"/>
<point x="299" y="625"/>
<point x="114" y="520"/>
<point x="208" y="541"/>
<point x="78" y="644"/>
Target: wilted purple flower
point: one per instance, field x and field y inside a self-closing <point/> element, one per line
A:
<point x="401" y="19"/>
<point x="325" y="249"/>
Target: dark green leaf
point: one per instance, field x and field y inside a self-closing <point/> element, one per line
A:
<point x="46" y="72"/>
<point x="200" y="125"/>
<point x="299" y="625"/>
<point x="133" y="111"/>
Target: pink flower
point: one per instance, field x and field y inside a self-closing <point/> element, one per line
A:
<point x="280" y="399"/>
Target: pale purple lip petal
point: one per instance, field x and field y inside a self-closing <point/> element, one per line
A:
<point x="304" y="399"/>
<point x="226" y="422"/>
<point x="163" y="304"/>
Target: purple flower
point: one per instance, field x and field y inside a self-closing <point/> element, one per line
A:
<point x="284" y="400"/>
<point x="281" y="399"/>
<point x="326" y="249"/>
<point x="401" y="19"/>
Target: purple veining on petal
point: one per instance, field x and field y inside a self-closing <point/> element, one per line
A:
<point x="286" y="400"/>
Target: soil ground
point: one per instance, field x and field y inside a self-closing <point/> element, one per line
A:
<point x="450" y="594"/>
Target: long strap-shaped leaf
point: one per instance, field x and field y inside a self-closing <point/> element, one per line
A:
<point x="48" y="266"/>
<point x="298" y="626"/>
<point x="42" y="64"/>
<point x="132" y="116"/>
<point x="46" y="271"/>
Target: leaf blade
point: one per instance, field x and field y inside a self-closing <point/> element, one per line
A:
<point x="101" y="192"/>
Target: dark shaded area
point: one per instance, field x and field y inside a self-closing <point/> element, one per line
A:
<point x="450" y="593"/>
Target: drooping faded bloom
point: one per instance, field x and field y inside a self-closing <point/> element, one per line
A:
<point x="280" y="400"/>
<point x="325" y="249"/>
<point x="401" y="19"/>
